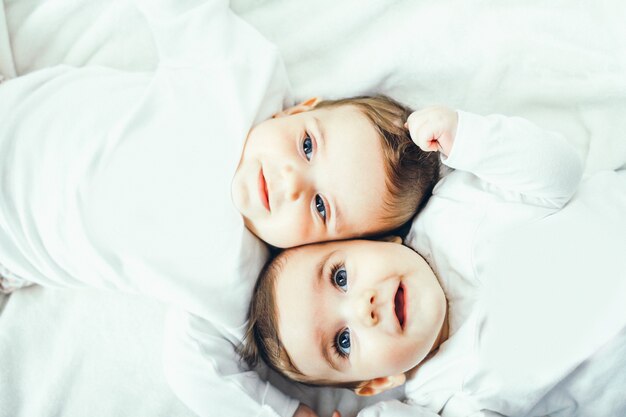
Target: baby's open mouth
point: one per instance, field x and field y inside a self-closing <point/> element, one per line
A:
<point x="399" y="305"/>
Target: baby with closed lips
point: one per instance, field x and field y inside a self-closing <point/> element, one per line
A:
<point x="331" y="170"/>
<point x="341" y="314"/>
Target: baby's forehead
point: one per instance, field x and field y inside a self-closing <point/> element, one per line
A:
<point x="317" y="253"/>
<point x="289" y="258"/>
<point x="288" y="261"/>
<point x="313" y="250"/>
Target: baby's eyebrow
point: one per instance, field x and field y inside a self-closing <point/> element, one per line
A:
<point x="325" y="347"/>
<point x="321" y="137"/>
<point x="336" y="213"/>
<point x="319" y="268"/>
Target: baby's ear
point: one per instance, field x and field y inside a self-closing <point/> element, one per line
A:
<point x="299" y="108"/>
<point x="391" y="238"/>
<point x="379" y="385"/>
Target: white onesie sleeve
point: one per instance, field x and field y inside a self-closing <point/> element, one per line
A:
<point x="514" y="155"/>
<point x="206" y="373"/>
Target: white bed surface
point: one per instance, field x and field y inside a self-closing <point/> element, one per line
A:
<point x="82" y="353"/>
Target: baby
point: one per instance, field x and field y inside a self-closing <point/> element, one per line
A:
<point x="357" y="314"/>
<point x="524" y="325"/>
<point x="328" y="170"/>
<point x="372" y="315"/>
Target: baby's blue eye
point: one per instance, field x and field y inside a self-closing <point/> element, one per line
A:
<point x="343" y="342"/>
<point x="320" y="206"/>
<point x="341" y="279"/>
<point x="307" y="147"/>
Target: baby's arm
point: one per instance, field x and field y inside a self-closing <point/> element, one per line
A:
<point x="204" y="371"/>
<point x="508" y="152"/>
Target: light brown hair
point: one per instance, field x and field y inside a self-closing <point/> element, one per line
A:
<point x="410" y="172"/>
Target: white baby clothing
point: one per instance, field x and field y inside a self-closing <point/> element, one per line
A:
<point x="121" y="180"/>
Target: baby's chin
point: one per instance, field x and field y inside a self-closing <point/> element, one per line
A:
<point x="250" y="225"/>
<point x="271" y="239"/>
<point x="410" y="373"/>
<point x="238" y="196"/>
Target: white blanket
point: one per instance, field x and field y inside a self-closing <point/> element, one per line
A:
<point x="82" y="353"/>
<point x="561" y="64"/>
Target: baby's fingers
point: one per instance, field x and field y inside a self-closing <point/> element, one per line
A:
<point x="423" y="134"/>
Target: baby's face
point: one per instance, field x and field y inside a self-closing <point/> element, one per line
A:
<point x="312" y="177"/>
<point x="357" y="310"/>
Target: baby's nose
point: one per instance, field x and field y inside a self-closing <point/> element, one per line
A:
<point x="295" y="183"/>
<point x="368" y="308"/>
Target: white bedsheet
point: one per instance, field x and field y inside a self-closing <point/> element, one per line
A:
<point x="561" y="64"/>
<point x="82" y="353"/>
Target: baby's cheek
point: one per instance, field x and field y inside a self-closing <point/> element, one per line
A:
<point x="291" y="232"/>
<point x="402" y="358"/>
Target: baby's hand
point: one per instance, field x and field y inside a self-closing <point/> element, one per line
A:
<point x="433" y="128"/>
